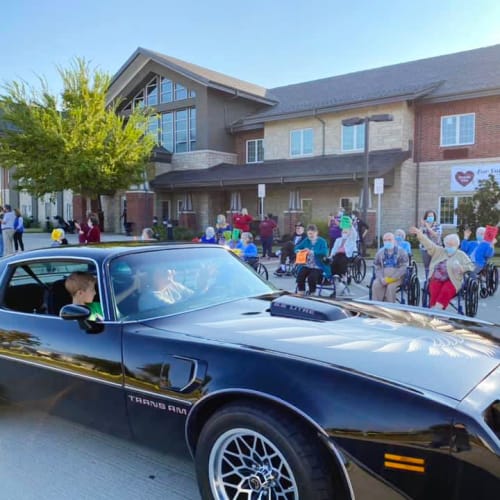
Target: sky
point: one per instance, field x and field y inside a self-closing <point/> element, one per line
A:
<point x="267" y="42"/>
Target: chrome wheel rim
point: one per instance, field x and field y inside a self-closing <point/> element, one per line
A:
<point x="245" y="465"/>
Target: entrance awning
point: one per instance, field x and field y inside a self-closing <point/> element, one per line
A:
<point x="301" y="170"/>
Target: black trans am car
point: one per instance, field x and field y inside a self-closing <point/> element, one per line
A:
<point x="275" y="396"/>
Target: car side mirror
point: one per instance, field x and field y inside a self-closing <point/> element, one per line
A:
<point x="81" y="314"/>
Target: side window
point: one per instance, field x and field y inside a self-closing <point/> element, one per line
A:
<point x="39" y="287"/>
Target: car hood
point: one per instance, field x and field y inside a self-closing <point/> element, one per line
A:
<point x="406" y="345"/>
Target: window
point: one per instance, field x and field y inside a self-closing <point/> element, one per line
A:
<point x="166" y="90"/>
<point x="457" y="129"/>
<point x="153" y="127"/>
<point x="301" y="142"/>
<point x="139" y="100"/>
<point x="181" y="131"/>
<point x="255" y="151"/>
<point x="180" y="92"/>
<point x="152" y="93"/>
<point x="353" y="138"/>
<point x="178" y="130"/>
<point x="447" y="207"/>
<point x="192" y="129"/>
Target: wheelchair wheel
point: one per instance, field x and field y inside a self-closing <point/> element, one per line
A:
<point x="358" y="268"/>
<point x="471" y="297"/>
<point x="262" y="271"/>
<point x="425" y="294"/>
<point x="492" y="279"/>
<point x="413" y="290"/>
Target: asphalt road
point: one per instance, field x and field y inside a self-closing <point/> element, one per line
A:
<point x="45" y="458"/>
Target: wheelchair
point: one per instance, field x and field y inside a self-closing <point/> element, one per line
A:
<point x="258" y="267"/>
<point x="488" y="280"/>
<point x="356" y="268"/>
<point x="467" y="296"/>
<point x="409" y="290"/>
<point x="332" y="285"/>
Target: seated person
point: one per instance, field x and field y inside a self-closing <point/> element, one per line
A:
<point x="209" y="236"/>
<point x="161" y="288"/>
<point x="288" y="249"/>
<point x="148" y="234"/>
<point x="314" y="266"/>
<point x="447" y="268"/>
<point x="58" y="237"/>
<point x="247" y="249"/>
<point x="478" y="250"/>
<point x="400" y="237"/>
<point x="390" y="267"/>
<point x="81" y="286"/>
<point x="343" y="249"/>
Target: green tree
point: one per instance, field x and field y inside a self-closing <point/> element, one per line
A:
<point x="482" y="208"/>
<point x="76" y="142"/>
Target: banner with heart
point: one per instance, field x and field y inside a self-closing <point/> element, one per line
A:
<point x="466" y="178"/>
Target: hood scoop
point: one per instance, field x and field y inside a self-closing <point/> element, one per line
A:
<point x="290" y="306"/>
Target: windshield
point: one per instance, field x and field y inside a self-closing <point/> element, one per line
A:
<point x="175" y="280"/>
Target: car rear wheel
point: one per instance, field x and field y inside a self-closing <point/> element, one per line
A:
<point x="245" y="452"/>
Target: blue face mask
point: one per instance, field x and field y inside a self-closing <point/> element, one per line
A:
<point x="430" y="218"/>
<point x="450" y="250"/>
<point x="399" y="239"/>
<point x="479" y="237"/>
<point x="388" y="245"/>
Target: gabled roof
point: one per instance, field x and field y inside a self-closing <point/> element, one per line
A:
<point x="454" y="76"/>
<point x="203" y="76"/>
<point x="310" y="169"/>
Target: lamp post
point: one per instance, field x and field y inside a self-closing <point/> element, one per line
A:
<point x="350" y="122"/>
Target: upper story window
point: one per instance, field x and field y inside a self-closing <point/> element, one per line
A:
<point x="353" y="137"/>
<point x="139" y="100"/>
<point x="301" y="142"/>
<point x="152" y="93"/>
<point x="457" y="130"/>
<point x="160" y="90"/>
<point x="255" y="151"/>
<point x="178" y="130"/>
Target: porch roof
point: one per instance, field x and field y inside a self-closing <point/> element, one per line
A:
<point x="300" y="170"/>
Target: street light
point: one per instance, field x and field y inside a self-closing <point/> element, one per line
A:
<point x="350" y="122"/>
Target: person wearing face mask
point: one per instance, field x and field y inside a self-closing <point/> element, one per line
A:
<point x="432" y="229"/>
<point x="400" y="237"/>
<point x="447" y="268"/>
<point x="343" y="249"/>
<point x="390" y="264"/>
<point x="312" y="269"/>
<point x="478" y="250"/>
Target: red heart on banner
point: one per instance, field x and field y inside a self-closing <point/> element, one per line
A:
<point x="464" y="178"/>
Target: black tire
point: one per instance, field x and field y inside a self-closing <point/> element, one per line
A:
<point x="414" y="291"/>
<point x="262" y="271"/>
<point x="258" y="450"/>
<point x="358" y="269"/>
<point x="492" y="278"/>
<point x="471" y="297"/>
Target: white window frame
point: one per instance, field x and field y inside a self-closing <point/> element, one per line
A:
<point x="456" y="200"/>
<point x="302" y="131"/>
<point x="457" y="130"/>
<point x="355" y="147"/>
<point x="256" y="141"/>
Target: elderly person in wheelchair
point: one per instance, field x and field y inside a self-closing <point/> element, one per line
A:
<point x="390" y="265"/>
<point x="478" y="250"/>
<point x="447" y="268"/>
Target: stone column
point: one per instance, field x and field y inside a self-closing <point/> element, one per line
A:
<point x="140" y="207"/>
<point x="291" y="217"/>
<point x="188" y="219"/>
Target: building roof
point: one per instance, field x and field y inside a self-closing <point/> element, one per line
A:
<point x="472" y="73"/>
<point x="310" y="169"/>
<point x="202" y="75"/>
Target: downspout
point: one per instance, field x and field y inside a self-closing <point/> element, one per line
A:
<point x="418" y="142"/>
<point x="323" y="125"/>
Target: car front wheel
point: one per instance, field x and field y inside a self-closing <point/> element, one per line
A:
<point x="245" y="453"/>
